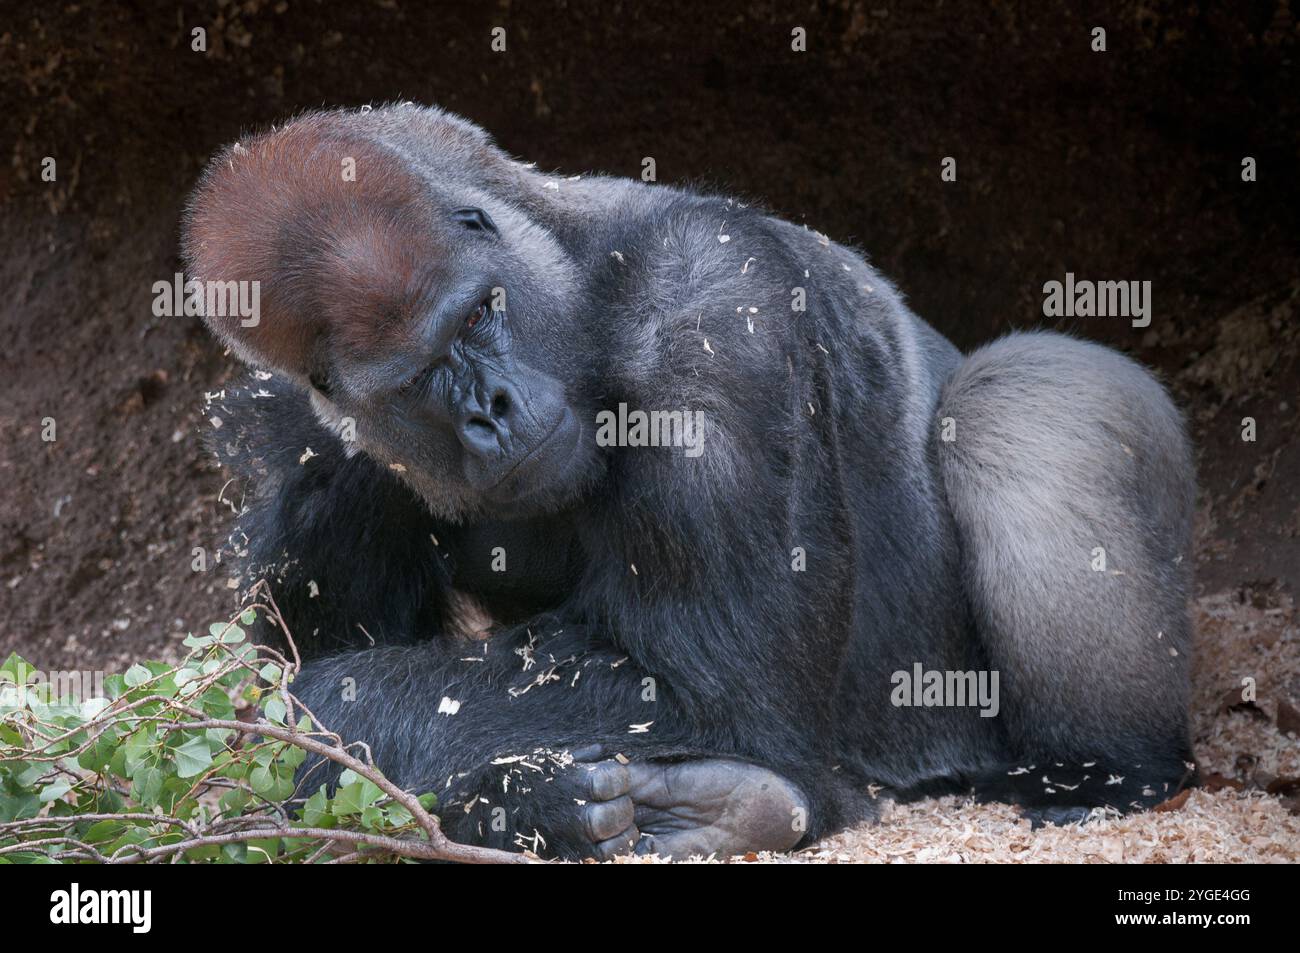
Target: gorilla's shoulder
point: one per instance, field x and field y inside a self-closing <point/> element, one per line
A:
<point x="680" y="249"/>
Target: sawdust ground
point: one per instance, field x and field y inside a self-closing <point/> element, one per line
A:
<point x="1246" y="634"/>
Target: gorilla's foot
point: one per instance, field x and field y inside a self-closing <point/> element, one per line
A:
<point x="1039" y="817"/>
<point x="606" y="811"/>
<point x="1059" y="794"/>
<point x="714" y="806"/>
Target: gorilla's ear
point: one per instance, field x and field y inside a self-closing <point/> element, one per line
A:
<point x="328" y="225"/>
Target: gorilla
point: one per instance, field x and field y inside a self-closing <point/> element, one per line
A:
<point x="587" y="641"/>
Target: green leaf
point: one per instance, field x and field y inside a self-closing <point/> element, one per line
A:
<point x="233" y="802"/>
<point x="32" y="858"/>
<point x="103" y="830"/>
<point x="217" y="738"/>
<point x="217" y="704"/>
<point x="132" y="836"/>
<point x="356" y="797"/>
<point x="100" y="752"/>
<point x="52" y="792"/>
<point x="293" y="757"/>
<point x="92" y="708"/>
<point x="139" y="751"/>
<point x="193" y="757"/>
<point x="283" y="789"/>
<point x="197" y="642"/>
<point x="17" y="668"/>
<point x="262" y="781"/>
<point x="316" y="812"/>
<point x="228" y="634"/>
<point x="207" y="852"/>
<point x="234" y="769"/>
<point x="147" y="786"/>
<point x="123" y="764"/>
<point x="398" y="816"/>
<point x="19" y="807"/>
<point x="264" y="850"/>
<point x="114" y="686"/>
<point x="27" y="773"/>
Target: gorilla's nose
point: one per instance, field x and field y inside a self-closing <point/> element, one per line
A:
<point x="508" y="413"/>
<point x="516" y="427"/>
<point x="490" y="418"/>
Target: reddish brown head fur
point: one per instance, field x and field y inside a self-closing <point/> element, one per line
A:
<point x="339" y="261"/>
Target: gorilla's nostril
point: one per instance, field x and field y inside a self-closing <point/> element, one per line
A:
<point x="500" y="405"/>
<point x="482" y="425"/>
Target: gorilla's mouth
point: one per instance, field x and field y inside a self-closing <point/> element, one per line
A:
<point x="543" y="466"/>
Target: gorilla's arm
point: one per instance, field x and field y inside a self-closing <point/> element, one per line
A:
<point x="349" y="551"/>
<point x="543" y="737"/>
<point x="493" y="733"/>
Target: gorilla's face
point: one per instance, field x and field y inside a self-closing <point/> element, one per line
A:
<point x="437" y="325"/>
<point x="460" y="377"/>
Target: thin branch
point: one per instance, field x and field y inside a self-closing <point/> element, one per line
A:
<point x="45" y="742"/>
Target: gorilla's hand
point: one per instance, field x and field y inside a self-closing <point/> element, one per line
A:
<point x="714" y="806"/>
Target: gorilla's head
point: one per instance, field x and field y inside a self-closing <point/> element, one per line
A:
<point x="431" y="318"/>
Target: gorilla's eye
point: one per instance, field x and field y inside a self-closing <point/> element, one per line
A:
<point x="477" y="315"/>
<point x="320" y="381"/>
<point x="416" y="382"/>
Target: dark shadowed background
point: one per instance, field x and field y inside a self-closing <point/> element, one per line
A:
<point x="1122" y="165"/>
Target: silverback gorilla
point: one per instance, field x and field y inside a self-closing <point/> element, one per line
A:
<point x="687" y="652"/>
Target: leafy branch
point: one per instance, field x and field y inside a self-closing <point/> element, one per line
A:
<point x="196" y="763"/>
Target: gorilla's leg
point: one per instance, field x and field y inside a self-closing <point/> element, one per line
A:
<point x="1072" y="485"/>
<point x="517" y="738"/>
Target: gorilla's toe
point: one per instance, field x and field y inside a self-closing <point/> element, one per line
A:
<point x="1056" y="816"/>
<point x="608" y="814"/>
